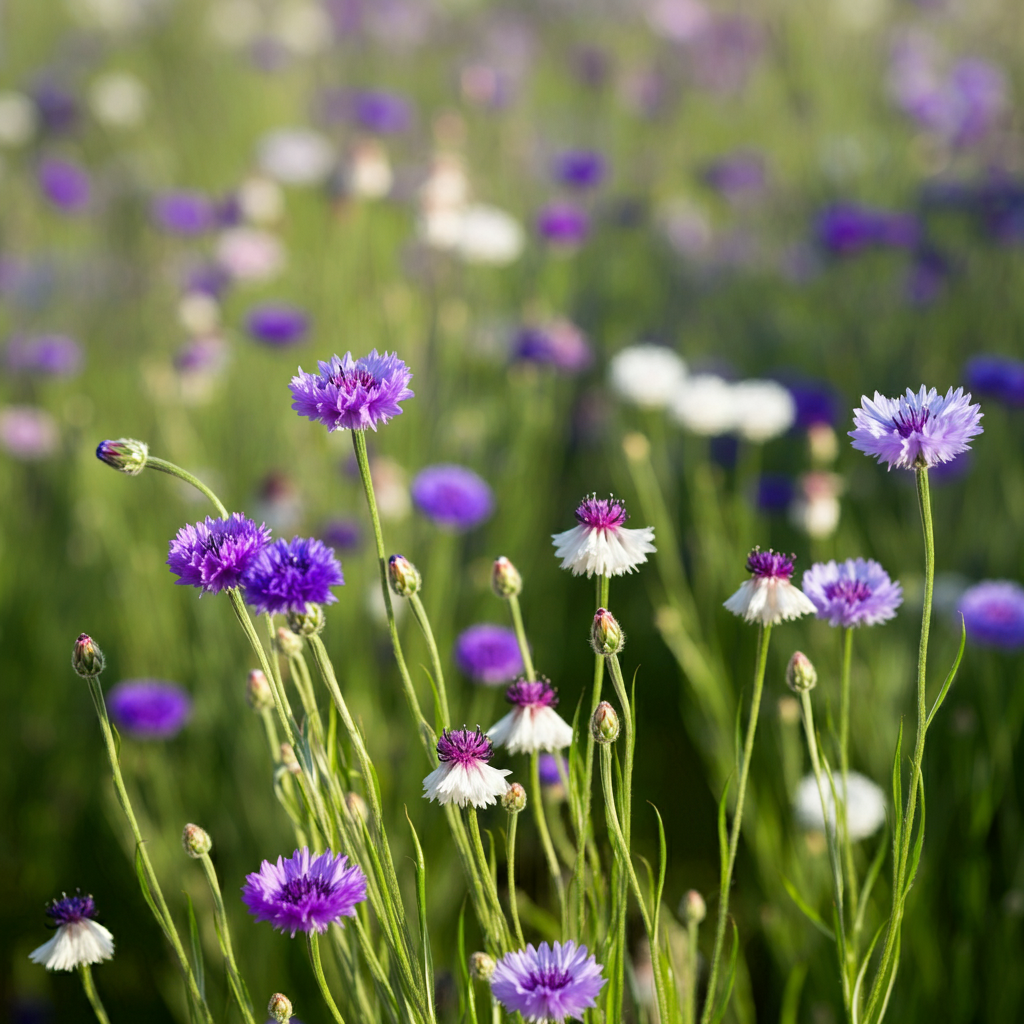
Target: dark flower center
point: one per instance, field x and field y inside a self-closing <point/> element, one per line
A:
<point x="770" y="564"/>
<point x="349" y="380"/>
<point x="601" y="513"/>
<point x="525" y="694"/>
<point x="851" y="591"/>
<point x="547" y="977"/>
<point x="911" y="422"/>
<point x="464" y="747"/>
<point x="71" y="909"/>
<point x="296" y="890"/>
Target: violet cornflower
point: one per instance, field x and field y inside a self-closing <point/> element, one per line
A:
<point x="550" y="772"/>
<point x="215" y="554"/>
<point x="532" y="724"/>
<point x="277" y="324"/>
<point x="768" y="597"/>
<point x="999" y="377"/>
<point x="184" y="212"/>
<point x="352" y="394"/>
<point x="548" y="983"/>
<point x="857" y="592"/>
<point x="452" y="497"/>
<point x="79" y="939"/>
<point x="287" y="576"/>
<point x="384" y="113"/>
<point x="600" y="543"/>
<point x="65" y="184"/>
<point x="464" y="776"/>
<point x="560" y="344"/>
<point x="563" y="224"/>
<point x="993" y="612"/>
<point x="580" y="168"/>
<point x="914" y="430"/>
<point x="54" y="355"/>
<point x="149" y="709"/>
<point x="305" y="893"/>
<point x="488" y="654"/>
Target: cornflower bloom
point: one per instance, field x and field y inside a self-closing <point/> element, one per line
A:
<point x="857" y="592"/>
<point x="148" y="708"/>
<point x="79" y="939"/>
<point x="215" y="554"/>
<point x="287" y="576"/>
<point x="453" y="497"/>
<point x="768" y="597"/>
<point x="993" y="612"/>
<point x="600" y="543"/>
<point x="532" y="724"/>
<point x="488" y="654"/>
<point x="464" y="776"/>
<point x="548" y="983"/>
<point x="277" y="324"/>
<point x="305" y="893"/>
<point x="649" y="376"/>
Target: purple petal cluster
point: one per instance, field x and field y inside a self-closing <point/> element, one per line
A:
<point x="564" y="224"/>
<point x="353" y="394"/>
<point x="305" y="893"/>
<point x="525" y="694"/>
<point x="277" y="324"/>
<point x="488" y="654"/>
<point x="71" y="909"/>
<point x="993" y="612"/>
<point x="848" y="228"/>
<point x="601" y="513"/>
<point x="53" y="355"/>
<point x="452" y="496"/>
<point x="560" y="344"/>
<point x="547" y="768"/>
<point x="65" y="184"/>
<point x="214" y="555"/>
<point x="857" y="592"/>
<point x="149" y="708"/>
<point x="460" y="746"/>
<point x="581" y="168"/>
<point x="770" y="565"/>
<point x="184" y="213"/>
<point x="999" y="377"/>
<point x="287" y="576"/>
<point x="548" y="983"/>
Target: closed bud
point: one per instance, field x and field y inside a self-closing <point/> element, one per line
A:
<point x="505" y="579"/>
<point x="87" y="659"/>
<point x="288" y="643"/>
<point x="514" y="799"/>
<point x="481" y="966"/>
<point x="606" y="636"/>
<point x="307" y="623"/>
<point x="693" y="909"/>
<point x="126" y="455"/>
<point x="280" y="1008"/>
<point x="404" y="577"/>
<point x="289" y="760"/>
<point x="604" y="726"/>
<point x="800" y="674"/>
<point x="355" y="805"/>
<point x="196" y="841"/>
<point x="258" y="692"/>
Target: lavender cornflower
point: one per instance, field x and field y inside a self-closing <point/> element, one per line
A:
<point x="533" y="724"/>
<point x="28" y="433"/>
<point x="580" y="168"/>
<point x="341" y="534"/>
<point x="287" y="576"/>
<point x="184" y="212"/>
<point x="560" y="344"/>
<point x="277" y="324"/>
<point x="920" y="429"/>
<point x="80" y="938"/>
<point x="768" y="597"/>
<point x="999" y="377"/>
<point x="464" y="776"/>
<point x="215" y="554"/>
<point x="993" y="612"/>
<point x="305" y="893"/>
<point x="149" y="709"/>
<point x="857" y="592"/>
<point x="600" y="543"/>
<point x="65" y="184"/>
<point x="53" y="355"/>
<point x="383" y="113"/>
<point x="549" y="771"/>
<point x="452" y="497"/>
<point x="352" y="394"/>
<point x="488" y="654"/>
<point x="563" y="224"/>
<point x="548" y="983"/>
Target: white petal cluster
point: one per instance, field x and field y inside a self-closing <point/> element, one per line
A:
<point x="757" y="410"/>
<point x="769" y="601"/>
<point x="527" y="729"/>
<point x="649" y="376"/>
<point x="80" y="942"/>
<point x="296" y="156"/>
<point x="865" y="810"/>
<point x="607" y="552"/>
<point x="478" y="784"/>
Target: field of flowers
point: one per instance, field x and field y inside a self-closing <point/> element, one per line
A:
<point x="493" y="499"/>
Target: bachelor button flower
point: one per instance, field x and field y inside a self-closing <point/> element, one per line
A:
<point x="215" y="554"/>
<point x="464" y="776"/>
<point x="305" y="893"/>
<point x="857" y="592"/>
<point x="277" y="324"/>
<point x="865" y="810"/>
<point x="768" y="597"/>
<point x="184" y="212"/>
<point x="352" y="394"/>
<point x="764" y="409"/>
<point x="993" y="612"/>
<point x="52" y="355"/>
<point x="65" y="184"/>
<point x="563" y="224"/>
<point x="916" y="429"/>
<point x="488" y="654"/>
<point x="533" y="724"/>
<point x="149" y="709"/>
<point x="452" y="496"/>
<point x="999" y="377"/>
<point x="649" y="376"/>
<point x="80" y="939"/>
<point x="126" y="455"/>
<point x="548" y="983"/>
<point x="600" y="543"/>
<point x="580" y="168"/>
<point x="287" y="576"/>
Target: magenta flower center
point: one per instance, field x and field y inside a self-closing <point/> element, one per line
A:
<point x="911" y="422"/>
<point x="525" y="694"/>
<point x="71" y="909"/>
<point x="463" y="747"/>
<point x="851" y="591"/>
<point x="770" y="564"/>
<point x="349" y="380"/>
<point x="601" y="513"/>
<point x="295" y="890"/>
<point x="549" y="977"/>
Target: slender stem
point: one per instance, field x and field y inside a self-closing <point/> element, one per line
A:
<point x="537" y="800"/>
<point x="420" y="615"/>
<point x="163" y="466"/>
<point x="314" y="958"/>
<point x="510" y="857"/>
<point x="484" y="868"/>
<point x="690" y="996"/>
<point x="737" y="822"/>
<point x="91" y="994"/>
<point x="844" y="768"/>
<point x="524" y="647"/>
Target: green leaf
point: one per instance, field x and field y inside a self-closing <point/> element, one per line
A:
<point x="467" y="996"/>
<point x="915" y="857"/>
<point x="198" y="966"/>
<point x="788" y="1014"/>
<point x="662" y="866"/>
<point x="951" y="676"/>
<point x="864" y="968"/>
<point x="723" y="835"/>
<point x="869" y="882"/>
<point x="897" y="796"/>
<point x="730" y="978"/>
<point x="807" y="910"/>
<point x="117" y="741"/>
<point x="421" y="905"/>
<point x="140" y="872"/>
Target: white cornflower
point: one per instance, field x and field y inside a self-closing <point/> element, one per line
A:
<point x="706" y="405"/>
<point x="764" y="409"/>
<point x="464" y="776"/>
<point x="649" y="376"/>
<point x="600" y="544"/>
<point x="296" y="156"/>
<point x="865" y="809"/>
<point x="768" y="597"/>
<point x="79" y="938"/>
<point x="532" y="724"/>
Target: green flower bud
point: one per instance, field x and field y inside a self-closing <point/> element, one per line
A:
<point x="196" y="841"/>
<point x="403" y="576"/>
<point x="604" y="726"/>
<point x="606" y="636"/>
<point x="87" y="659"/>
<point x="288" y="643"/>
<point x="289" y="760"/>
<point x="514" y="799"/>
<point x="800" y="673"/>
<point x="280" y="1008"/>
<point x="481" y="966"/>
<point x="505" y="579"/>
<point x="257" y="691"/>
<point x="307" y="623"/>
<point x="126" y="455"/>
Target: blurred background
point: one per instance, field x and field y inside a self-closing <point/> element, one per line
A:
<point x="199" y="196"/>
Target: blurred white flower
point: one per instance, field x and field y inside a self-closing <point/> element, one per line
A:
<point x="304" y="28"/>
<point x="250" y="254"/>
<point x="113" y="15"/>
<point x="447" y="187"/>
<point x="118" y="99"/>
<point x="764" y="409"/>
<point x="17" y="119"/>
<point x="816" y="508"/>
<point x="296" y="156"/>
<point x="705" y="405"/>
<point x="391" y="486"/>
<point x="649" y="376"/>
<point x="369" y="174"/>
<point x="260" y="200"/>
<point x="234" y="23"/>
<point x="865" y="811"/>
<point x="489" y="235"/>
<point x="198" y="313"/>
<point x="678" y="20"/>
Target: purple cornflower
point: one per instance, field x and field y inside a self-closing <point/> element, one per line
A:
<point x="488" y="654"/>
<point x="775" y="492"/>
<point x="79" y="939"/>
<point x="548" y="983"/>
<point x="857" y="592"/>
<point x="54" y="355"/>
<point x="560" y="344"/>
<point x="999" y="377"/>
<point x="59" y="110"/>
<point x="738" y="176"/>
<point x="341" y="534"/>
<point x="27" y="432"/>
<point x="768" y="597"/>
<point x="563" y="224"/>
<point x="384" y="113"/>
<point x="993" y="612"/>
<point x="549" y="771"/>
<point x="600" y="543"/>
<point x="452" y="497"/>
<point x="214" y="555"/>
<point x="305" y="893"/>
<point x="287" y="576"/>
<point x="277" y="324"/>
<point x="848" y="228"/>
<point x="920" y="429"/>
<point x="532" y="724"/>
<point x="148" y="708"/>
<point x="464" y="776"/>
<point x="65" y="184"/>
<point x="352" y="394"/>
<point x="581" y="168"/>
<point x="184" y="212"/>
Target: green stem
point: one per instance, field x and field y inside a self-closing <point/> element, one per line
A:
<point x="487" y="879"/>
<point x="690" y="995"/>
<point x="314" y="958"/>
<point x="163" y="466"/>
<point x="844" y="768"/>
<point x="420" y="615"/>
<point x="537" y="800"/>
<point x="524" y="647"/>
<point x="510" y="858"/>
<point x="91" y="994"/>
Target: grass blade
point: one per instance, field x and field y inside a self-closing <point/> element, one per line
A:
<point x="951" y="676"/>
<point x="807" y="910"/>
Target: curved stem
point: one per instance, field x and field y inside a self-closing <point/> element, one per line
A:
<point x="314" y="958"/>
<point x="487" y="879"/>
<point x="844" y="767"/>
<point x="91" y="994"/>
<point x="537" y="800"/>
<point x="163" y="466"/>
<point x="420" y="615"/>
<point x="510" y="858"/>
<point x="524" y="647"/>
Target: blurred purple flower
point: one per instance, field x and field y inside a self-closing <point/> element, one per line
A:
<point x="738" y="176"/>
<point x="202" y="357"/>
<point x="59" y="111"/>
<point x="775" y="492"/>
<point x="54" y="355"/>
<point x="581" y="168"/>
<point x="341" y="534"/>
<point x="560" y="344"/>
<point x="208" y="278"/>
<point x="452" y="497"/>
<point x="65" y="184"/>
<point x="384" y="113"/>
<point x="563" y="224"/>
<point x="993" y="612"/>
<point x="287" y="576"/>
<point x="849" y="228"/>
<point x="816" y="402"/>
<point x="184" y="212"/>
<point x="926" y="278"/>
<point x="28" y="433"/>
<point x="998" y="377"/>
<point x="488" y="654"/>
<point x="148" y="708"/>
<point x="277" y="324"/>
<point x="548" y="769"/>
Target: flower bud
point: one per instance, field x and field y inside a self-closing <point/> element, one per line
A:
<point x="87" y="659"/>
<point x="481" y="966"/>
<point x="604" y="726"/>
<point x="125" y="454"/>
<point x="505" y="579"/>
<point x="288" y="643"/>
<point x="514" y="799"/>
<point x="800" y="674"/>
<point x="355" y="805"/>
<point x="606" y="636"/>
<point x="307" y="623"/>
<point x="693" y="909"/>
<point x="257" y="691"/>
<point x="403" y="576"/>
<point x="280" y="1008"/>
<point x="289" y="760"/>
<point x="196" y="841"/>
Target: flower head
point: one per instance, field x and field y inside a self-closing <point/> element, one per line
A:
<point x="148" y="708"/>
<point x="916" y="429"/>
<point x="551" y="768"/>
<point x="80" y="939"/>
<point x="580" y="168"/>
<point x="532" y="724"/>
<point x="548" y="983"/>
<point x="649" y="376"/>
<point x="563" y="224"/>
<point x="768" y="597"/>
<point x="857" y="592"/>
<point x="600" y="543"/>
<point x="488" y="654"/>
<point x="865" y="808"/>
<point x="993" y="612"/>
<point x="999" y="377"/>
<point x="277" y="324"/>
<point x="305" y="893"/>
<point x="52" y="355"/>
<point x="287" y="576"/>
<point x="464" y="776"/>
<point x="352" y="394"/>
<point x="125" y="455"/>
<point x="453" y="497"/>
<point x="215" y="554"/>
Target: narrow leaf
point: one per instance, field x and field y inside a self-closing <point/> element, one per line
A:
<point x="897" y="795"/>
<point x="952" y="675"/>
<point x="915" y="857"/>
<point x="723" y="835"/>
<point x="140" y="872"/>
<point x="807" y="910"/>
<point x="467" y="996"/>
<point x="791" y="994"/>
<point x="869" y="882"/>
<point x="198" y="966"/>
<point x="730" y="978"/>
<point x="421" y="905"/>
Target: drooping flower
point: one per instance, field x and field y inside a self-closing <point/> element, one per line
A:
<point x="453" y="497"/>
<point x="916" y="429"/>
<point x="600" y="543"/>
<point x="464" y="776"/>
<point x="305" y="893"/>
<point x="277" y="324"/>
<point x="287" y="576"/>
<point x="215" y="554"/>
<point x="532" y="724"/>
<point x="993" y="612"/>
<point x="857" y="592"/>
<point x="768" y="596"/>
<point x="865" y="808"/>
<point x="548" y="983"/>
<point x="488" y="654"/>
<point x="649" y="376"/>
<point x="149" y="709"/>
<point x="352" y="394"/>
<point x="80" y="938"/>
